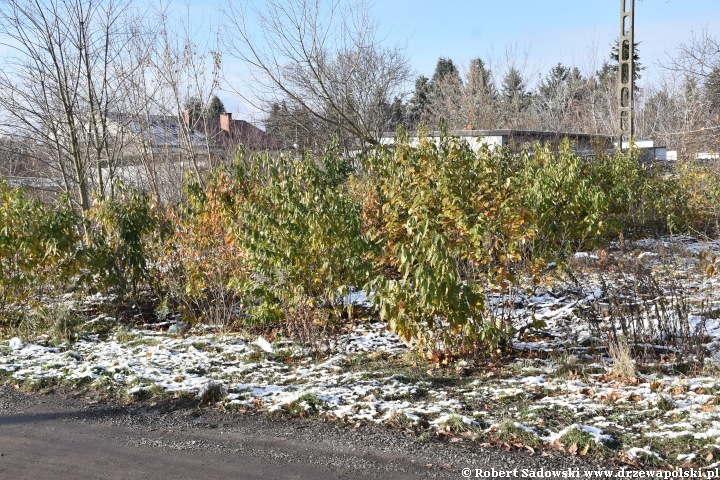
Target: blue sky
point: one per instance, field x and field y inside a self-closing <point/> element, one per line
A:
<point x="568" y="31"/>
<point x="538" y="34"/>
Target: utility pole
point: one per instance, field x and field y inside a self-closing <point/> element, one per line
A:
<point x="626" y="70"/>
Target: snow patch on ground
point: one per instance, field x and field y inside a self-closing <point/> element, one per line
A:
<point x="545" y="395"/>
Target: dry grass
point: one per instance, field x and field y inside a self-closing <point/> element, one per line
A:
<point x="622" y="359"/>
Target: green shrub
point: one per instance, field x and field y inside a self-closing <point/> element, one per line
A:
<point x="427" y="230"/>
<point x="643" y="199"/>
<point x="445" y="226"/>
<point x="698" y="191"/>
<point x="300" y="233"/>
<point x="119" y="237"/>
<point x="568" y="206"/>
<point x="37" y="245"/>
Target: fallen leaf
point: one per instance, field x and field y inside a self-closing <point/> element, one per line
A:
<point x="614" y="397"/>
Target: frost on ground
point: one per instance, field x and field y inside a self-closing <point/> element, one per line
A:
<point x="557" y="390"/>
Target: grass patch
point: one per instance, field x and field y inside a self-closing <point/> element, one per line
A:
<point x="141" y="340"/>
<point x="101" y="326"/>
<point x="554" y="417"/>
<point x="622" y="359"/>
<point x="401" y="421"/>
<point x="665" y="404"/>
<point x="669" y="448"/>
<point x="519" y="398"/>
<point x="580" y="442"/>
<point x="213" y="393"/>
<point x="447" y="381"/>
<point x="307" y="405"/>
<point x="149" y="392"/>
<point x="649" y="460"/>
<point x="456" y="424"/>
<point x="509" y="432"/>
<point x="412" y="392"/>
<point x="124" y="335"/>
<point x="570" y="368"/>
<point x="58" y="321"/>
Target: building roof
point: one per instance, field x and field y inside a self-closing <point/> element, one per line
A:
<point x="540" y="134"/>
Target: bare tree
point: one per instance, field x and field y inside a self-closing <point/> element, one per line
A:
<point x="323" y="56"/>
<point x="444" y="101"/>
<point x="99" y="87"/>
<point x="58" y="86"/>
<point x="696" y="57"/>
<point x="184" y="69"/>
<point x="698" y="63"/>
<point x="478" y="106"/>
<point x="559" y="99"/>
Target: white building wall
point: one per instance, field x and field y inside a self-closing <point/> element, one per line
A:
<point x="474" y="142"/>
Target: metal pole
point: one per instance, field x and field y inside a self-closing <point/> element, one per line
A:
<point x="626" y="69"/>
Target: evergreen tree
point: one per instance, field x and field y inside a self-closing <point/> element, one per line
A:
<point x="514" y="90"/>
<point x="445" y="94"/>
<point x="479" y="97"/>
<point x="712" y="91"/>
<point x="274" y="120"/>
<point x="444" y="71"/>
<point x="293" y="126"/>
<point x="278" y="124"/>
<point x="194" y="105"/>
<point x="418" y="103"/>
<point x="561" y="79"/>
<point x="479" y="79"/>
<point x="396" y="115"/>
<point x="559" y="98"/>
<point x="514" y="99"/>
<point x="636" y="58"/>
<point x="215" y="108"/>
<point x="554" y="81"/>
<point x="608" y="72"/>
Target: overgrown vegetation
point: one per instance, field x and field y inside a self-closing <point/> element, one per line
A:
<point x="644" y="316"/>
<point x="37" y="248"/>
<point x="447" y="227"/>
<point x="427" y="231"/>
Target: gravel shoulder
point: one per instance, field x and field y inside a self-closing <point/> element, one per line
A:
<point x="69" y="435"/>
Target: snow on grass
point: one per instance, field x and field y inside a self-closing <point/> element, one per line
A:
<point x="368" y="375"/>
<point x="595" y="433"/>
<point x="638" y="453"/>
<point x="545" y="405"/>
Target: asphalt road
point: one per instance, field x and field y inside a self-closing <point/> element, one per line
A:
<point x="54" y="436"/>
